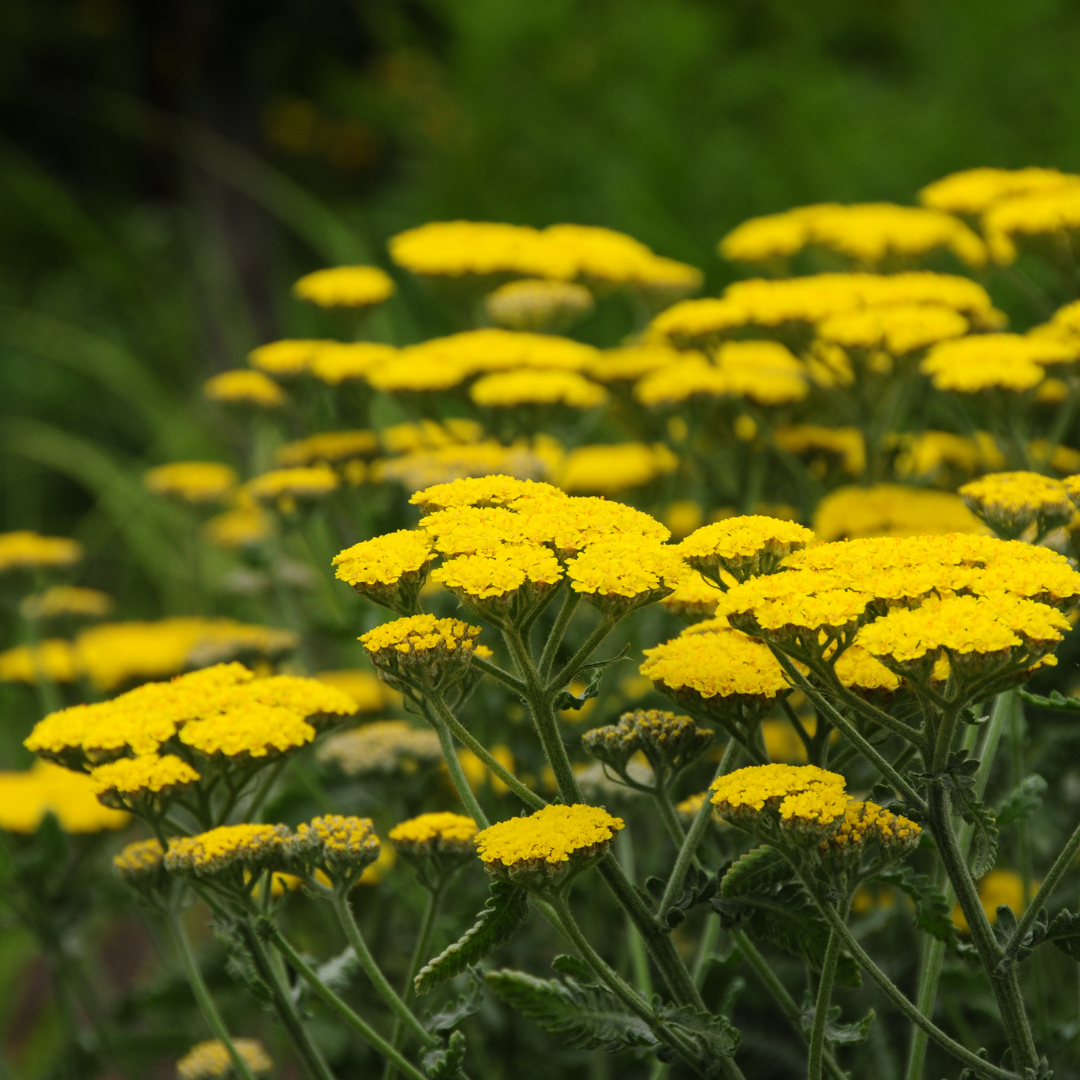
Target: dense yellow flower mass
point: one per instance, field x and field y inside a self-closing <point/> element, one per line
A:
<point x="211" y="1059"/>
<point x="54" y="659"/>
<point x="762" y="371"/>
<point x="1014" y="362"/>
<point x="799" y="793"/>
<point x="345" y="286"/>
<point x="694" y="599"/>
<point x="192" y="481"/>
<point x="868" y="234"/>
<point x="552" y="836"/>
<point x="384" y="746"/>
<point x="417" y="637"/>
<point x="421" y="469"/>
<point x="495" y="490"/>
<point x="336" y="844"/>
<point x="537" y="304"/>
<point x="974" y="191"/>
<point x="926" y="454"/>
<point x="632" y="362"/>
<point x="434" y="834"/>
<point x="898" y="329"/>
<point x="504" y="570"/>
<point x="1010" y="502"/>
<point x="45" y="788"/>
<point x="474" y="352"/>
<point x="337" y="362"/>
<point x="1030" y="218"/>
<point x="60" y="600"/>
<point x="609" y="469"/>
<point x="508" y="389"/>
<point x="246" y="845"/>
<point x="287" y="358"/>
<point x="328" y="446"/>
<point x="742" y="546"/>
<point x="139" y="860"/>
<point x="116" y="783"/>
<point x="630" y="567"/>
<point x="26" y="550"/>
<point x="890" y="510"/>
<point x="303" y="482"/>
<point x="866" y="821"/>
<point x="246" y="387"/>
<point x="251" y="729"/>
<point x="846" y="444"/>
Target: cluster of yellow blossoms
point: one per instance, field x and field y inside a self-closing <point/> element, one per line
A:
<point x="26" y="797"/>
<point x="25" y="550"/>
<point x="210" y="1060"/>
<point x="345" y="286"/>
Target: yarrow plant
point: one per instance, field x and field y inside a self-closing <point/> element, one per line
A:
<point x="700" y="653"/>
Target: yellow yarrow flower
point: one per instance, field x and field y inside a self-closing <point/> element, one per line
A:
<point x="211" y="1059"/>
<point x="140" y="864"/>
<point x="345" y="286"/>
<point x="495" y="490"/>
<point x="130" y="782"/>
<point x="437" y="651"/>
<point x="626" y="572"/>
<point x="385" y="746"/>
<point x="509" y="389"/>
<point x="54" y="659"/>
<point x="336" y="362"/>
<point x="342" y="847"/>
<point x="890" y="510"/>
<point x="632" y="362"/>
<point x="26" y="797"/>
<point x="389" y="569"/>
<point x="1011" y="502"/>
<point x="974" y="191"/>
<point x="287" y="485"/>
<point x="243" y="527"/>
<point x="445" y="839"/>
<point x="244" y="387"/>
<point x="251" y="730"/>
<point x="287" y="358"/>
<point x="501" y="572"/>
<point x="765" y="372"/>
<point x="247" y="846"/>
<point x="866" y="822"/>
<point x="898" y="330"/>
<point x="192" y="481"/>
<point x="609" y="469"/>
<point x="66" y="600"/>
<point x="329" y="447"/>
<point x="800" y="795"/>
<point x="1032" y="219"/>
<point x="742" y="546"/>
<point x="547" y="847"/>
<point x="846" y="444"/>
<point x="26" y="550"/>
<point x="536" y="304"/>
<point x="695" y="598"/>
<point x="1013" y="362"/>
<point x="422" y="469"/>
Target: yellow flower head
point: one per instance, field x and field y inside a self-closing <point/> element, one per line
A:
<point x="695" y="599"/>
<point x="336" y="362"/>
<point x="244" y="387"/>
<point x="896" y="330"/>
<point x="866" y="822"/>
<point x="1034" y="219"/>
<point x="492" y="583"/>
<point x="669" y="742"/>
<point x="495" y="490"/>
<point x="45" y="788"/>
<point x="869" y="234"/>
<point x="128" y="783"/>
<point x="691" y="377"/>
<point x="305" y="482"/>
<point x="53" y="659"/>
<point x="288" y="358"/>
<point x="345" y="286"/>
<point x="240" y="528"/>
<point x="342" y="847"/>
<point x="141" y="864"/>
<point x="743" y="546"/>
<point x="549" y="846"/>
<point x="385" y="746"/>
<point x="210" y="1060"/>
<point x="626" y="572"/>
<point x="763" y="371"/>
<point x="389" y="569"/>
<point x="1013" y="362"/>
<point x="825" y="445"/>
<point x="422" y="469"/>
<point x="441" y="648"/>
<point x="859" y="671"/>
<point x="632" y="362"/>
<point x="60" y="600"/>
<point x="800" y="795"/>
<point x="1011" y="502"/>
<point x="192" y="481"/>
<point x="890" y="510"/>
<point x="25" y="550"/>
<point x="509" y="389"/>
<point x="536" y="304"/>
<point x="434" y="836"/>
<point x="609" y="469"/>
<point x="251" y="847"/>
<point x="717" y="670"/>
<point x="250" y="730"/>
<point x="329" y="447"/>
<point x="974" y="191"/>
<point x="363" y="687"/>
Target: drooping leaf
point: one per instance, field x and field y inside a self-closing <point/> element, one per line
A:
<point x="240" y="965"/>
<point x="585" y="1017"/>
<point x="785" y="915"/>
<point x="933" y="912"/>
<point x="338" y="971"/>
<point x="445" y="1062"/>
<point x="1022" y="801"/>
<point x="712" y="1036"/>
<point x="449" y="1016"/>
<point x="836" y="1033"/>
<point x="699" y="887"/>
<point x="573" y="968"/>
<point x="757" y="871"/>
<point x="503" y="916"/>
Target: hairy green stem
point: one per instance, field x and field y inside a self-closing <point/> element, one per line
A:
<point x="329" y="998"/>
<point x="469" y="740"/>
<point x="401" y="1011"/>
<point x="668" y="816"/>
<point x="577" y="661"/>
<point x="639" y="958"/>
<point x="465" y="793"/>
<point x="498" y="674"/>
<point x="788" y="1005"/>
<point x="694" y="837"/>
<point x="202" y="994"/>
<point x="558" y="632"/>
<point x="978" y="1065"/>
<point x="816" y="1056"/>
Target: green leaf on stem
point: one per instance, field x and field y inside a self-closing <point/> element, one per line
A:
<point x="959" y="776"/>
<point x="933" y="912"/>
<point x="338" y="971"/>
<point x="445" y="1062"/>
<point x="1064" y="932"/>
<point x="587" y="1016"/>
<point x="1056" y="702"/>
<point x="503" y="916"/>
<point x="699" y="887"/>
<point x="1022" y="801"/>
<point x="836" y="1033"/>
<point x="449" y="1016"/>
<point x="240" y="965"/>
<point x="756" y="871"/>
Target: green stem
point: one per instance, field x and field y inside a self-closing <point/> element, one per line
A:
<point x="614" y="982"/>
<point x="788" y="1006"/>
<point x="465" y="793"/>
<point x="815" y="1058"/>
<point x="401" y="1011"/>
<point x="1003" y="978"/>
<point x="469" y="740"/>
<point x="329" y="998"/>
<point x="202" y="994"/>
<point x="899" y="784"/>
<point x="639" y="958"/>
<point x="498" y="674"/>
<point x="694" y="837"/>
<point x="420" y="951"/>
<point x="978" y="1065"/>
<point x="577" y="661"/>
<point x="668" y="816"/>
<point x="558" y="632"/>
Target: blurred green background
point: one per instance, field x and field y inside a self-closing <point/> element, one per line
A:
<point x="168" y="169"/>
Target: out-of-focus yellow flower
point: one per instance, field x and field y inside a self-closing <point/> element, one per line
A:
<point x="615" y="467"/>
<point x="536" y="304"/>
<point x="45" y="788"/>
<point x="71" y="600"/>
<point x="891" y="510"/>
<point x="192" y="481"/>
<point x="345" y="286"/>
<point x="26" y="550"/>
<point x="997" y="888"/>
<point x="974" y="191"/>
<point x="244" y="387"/>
